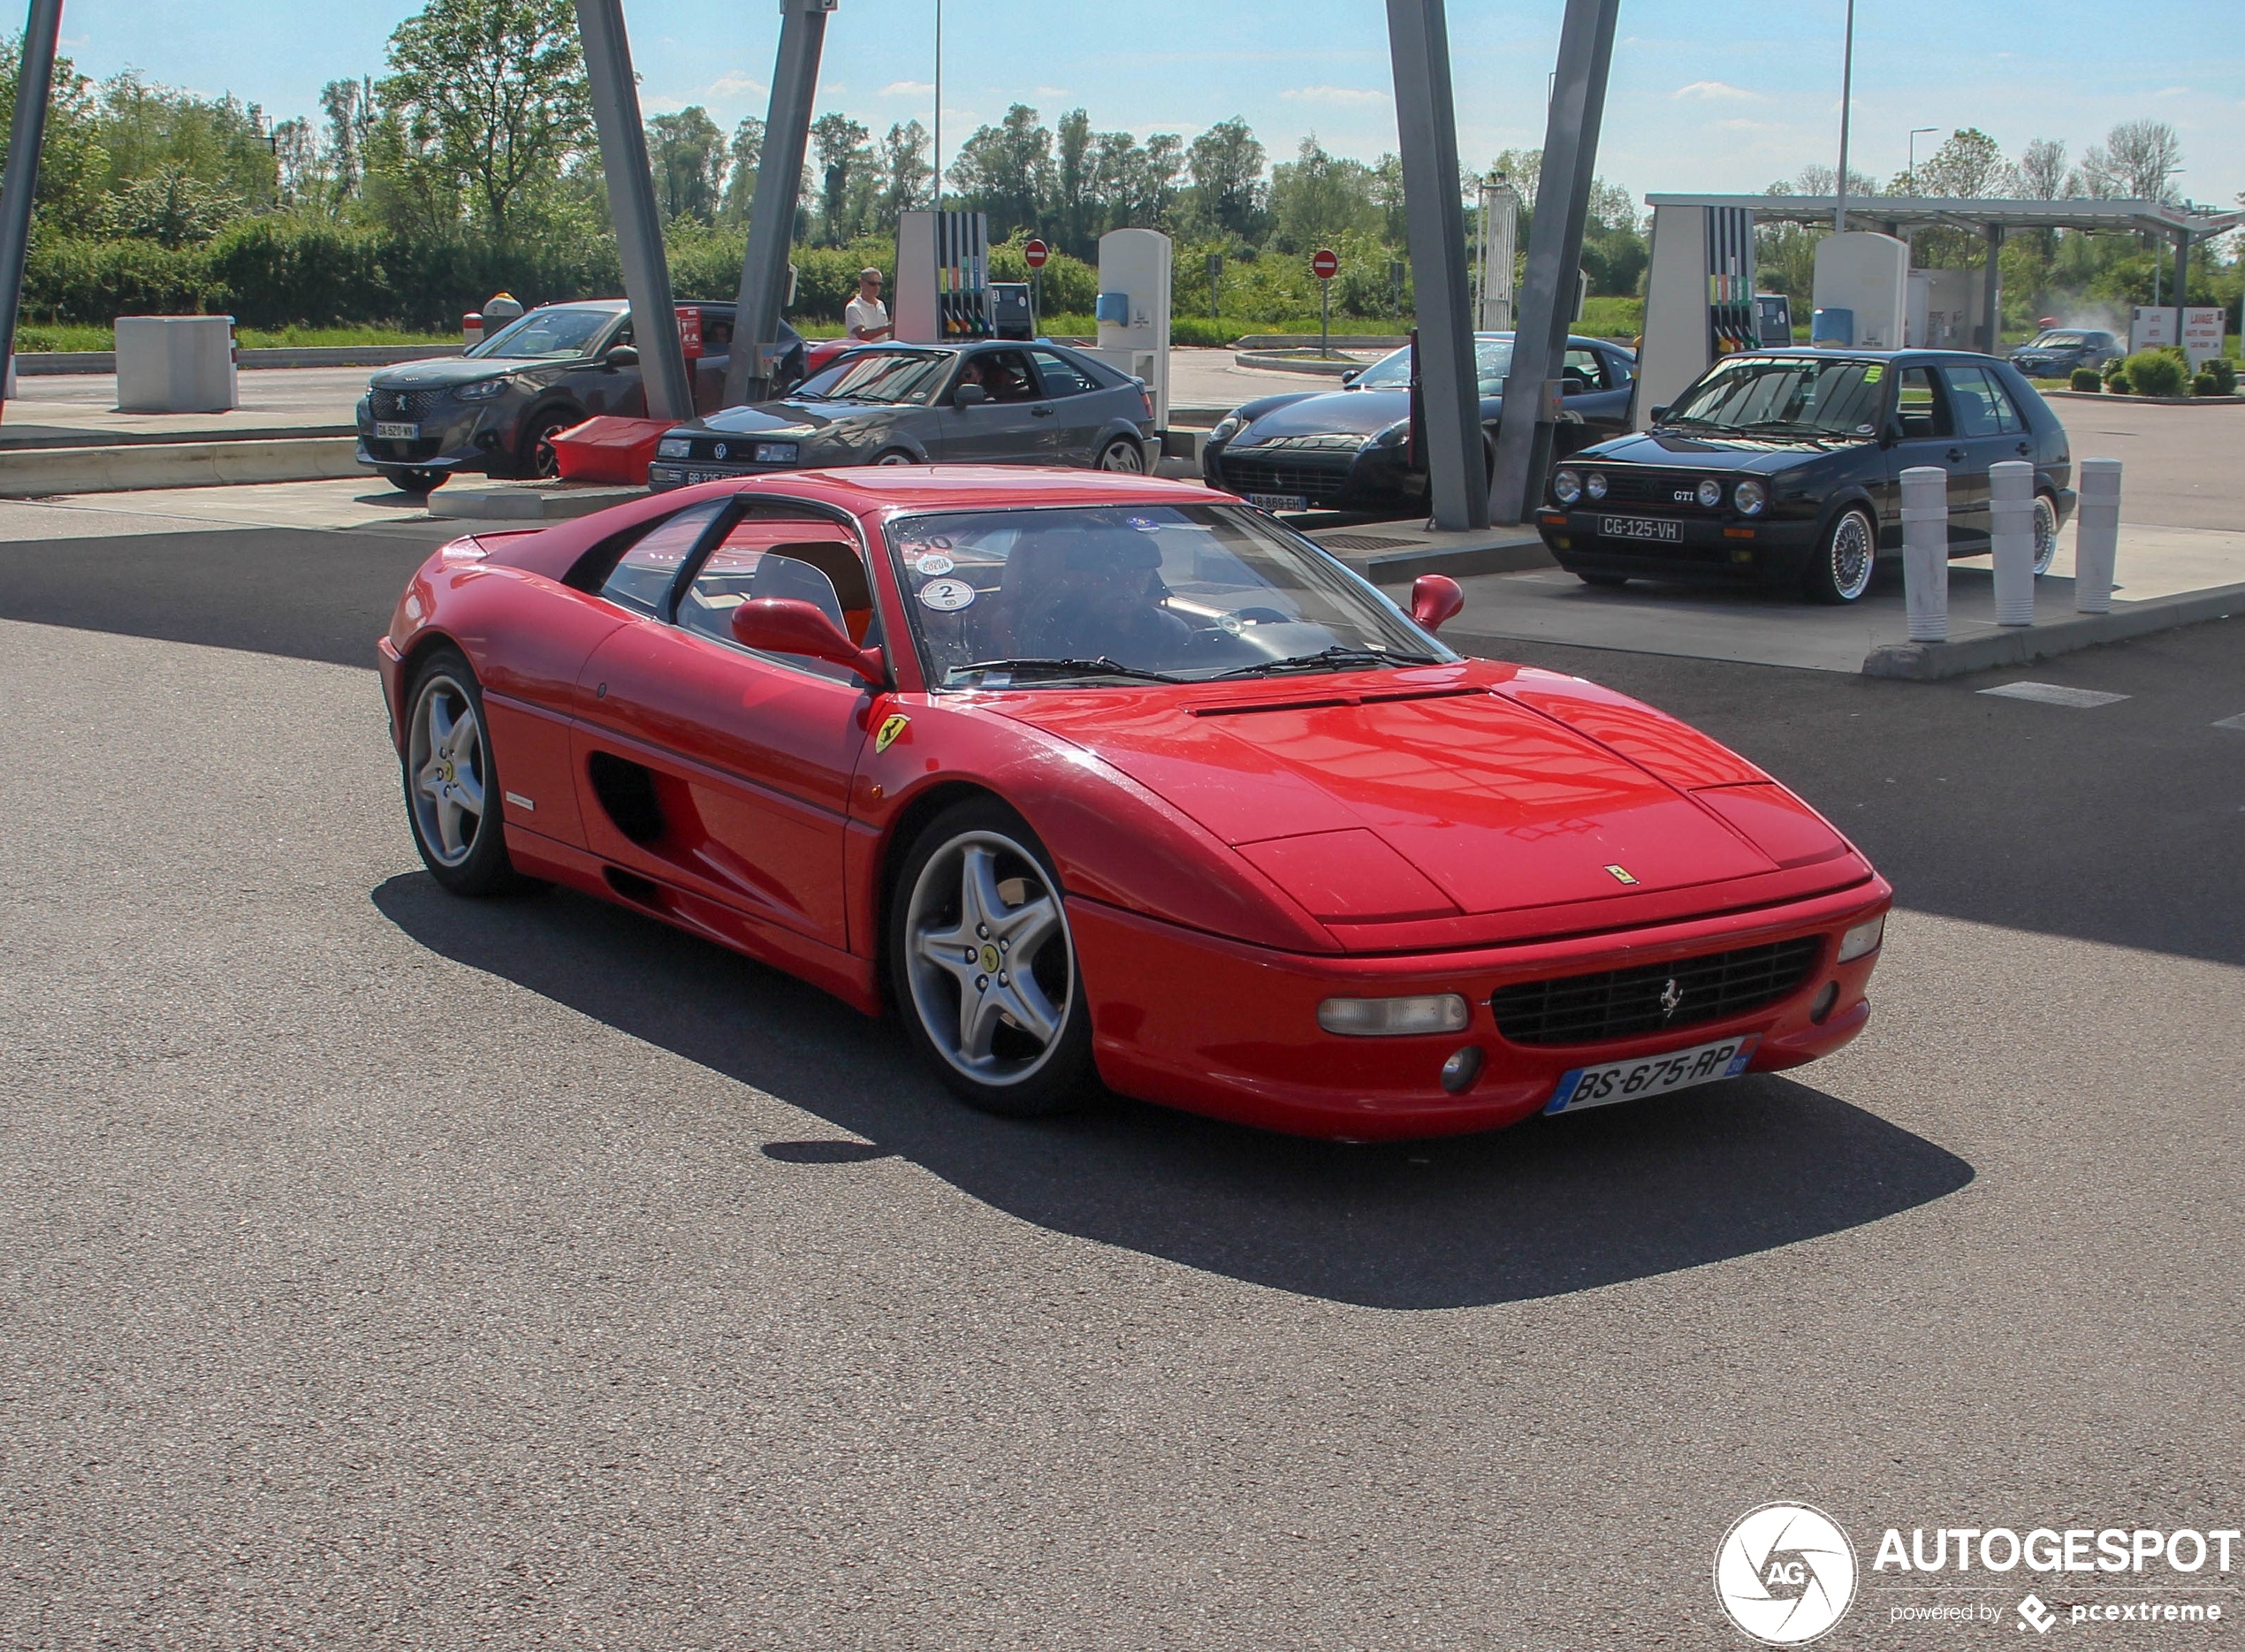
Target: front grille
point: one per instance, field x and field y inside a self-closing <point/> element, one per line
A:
<point x="1627" y="1003"/>
<point x="411" y="452"/>
<point x="1647" y="487"/>
<point x="405" y="404"/>
<point x="1321" y="482"/>
<point x="739" y="450"/>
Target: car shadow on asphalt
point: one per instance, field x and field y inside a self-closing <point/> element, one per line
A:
<point x="1545" y="1208"/>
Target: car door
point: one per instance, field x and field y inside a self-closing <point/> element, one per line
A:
<point x="1079" y="413"/>
<point x="704" y="764"/>
<point x="1017" y="426"/>
<point x="600" y="388"/>
<point x="1929" y="436"/>
<point x="1989" y="429"/>
<point x="1604" y="405"/>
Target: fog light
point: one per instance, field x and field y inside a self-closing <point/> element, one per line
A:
<point x="1460" y="1070"/>
<point x="1393" y="1018"/>
<point x="1826" y="1000"/>
<point x="1865" y="937"/>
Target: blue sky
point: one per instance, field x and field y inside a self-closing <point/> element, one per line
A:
<point x="1684" y="113"/>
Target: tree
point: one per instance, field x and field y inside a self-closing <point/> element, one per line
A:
<point x="1523" y="169"/>
<point x="1387" y="195"/>
<point x="1226" y="163"/>
<point x="149" y="130"/>
<point x="71" y="162"/>
<point x="1005" y="170"/>
<point x="686" y="154"/>
<point x="1814" y="180"/>
<point x="296" y="155"/>
<point x="2134" y="162"/>
<point x="1076" y="203"/>
<point x="493" y="93"/>
<point x="845" y="164"/>
<point x="1318" y="197"/>
<point x="905" y="172"/>
<point x="744" y="161"/>
<point x="1969" y="166"/>
<point x="2043" y="172"/>
<point x="350" y="111"/>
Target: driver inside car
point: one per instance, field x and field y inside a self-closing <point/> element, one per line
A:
<point x="1096" y="595"/>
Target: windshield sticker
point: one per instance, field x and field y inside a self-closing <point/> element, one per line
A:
<point x="934" y="562"/>
<point x="947" y="595"/>
<point x="1875" y="372"/>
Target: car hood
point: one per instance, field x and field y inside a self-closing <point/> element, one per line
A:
<point x="795" y="419"/>
<point x="1761" y="453"/>
<point x="1335" y="413"/>
<point x="445" y="372"/>
<point x="1429" y="795"/>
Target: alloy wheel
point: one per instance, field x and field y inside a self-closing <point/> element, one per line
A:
<point x="1123" y="456"/>
<point x="989" y="959"/>
<point x="1853" y="554"/>
<point x="445" y="758"/>
<point x="2045" y="534"/>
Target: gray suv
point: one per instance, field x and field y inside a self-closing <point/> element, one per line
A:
<point x="496" y="407"/>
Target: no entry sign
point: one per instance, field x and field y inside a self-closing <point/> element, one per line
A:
<point x="1034" y="255"/>
<point x="1325" y="263"/>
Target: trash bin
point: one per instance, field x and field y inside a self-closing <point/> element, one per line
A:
<point x="176" y="364"/>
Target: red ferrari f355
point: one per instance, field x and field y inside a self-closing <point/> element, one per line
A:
<point x="1078" y="774"/>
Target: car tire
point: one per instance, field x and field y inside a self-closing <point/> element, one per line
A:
<point x="975" y="893"/>
<point x="410" y="479"/>
<point x="1124" y="454"/>
<point x="896" y="456"/>
<point x="451" y="782"/>
<point x="2045" y="533"/>
<point x="1841" y="570"/>
<point x="1604" y="581"/>
<point x="539" y="461"/>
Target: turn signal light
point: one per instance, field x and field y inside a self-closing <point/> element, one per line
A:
<point x="1393" y="1018"/>
<point x="1865" y="937"/>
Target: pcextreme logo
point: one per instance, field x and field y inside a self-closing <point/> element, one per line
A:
<point x="1785" y="1573"/>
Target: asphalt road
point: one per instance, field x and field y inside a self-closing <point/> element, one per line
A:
<point x="381" y="1270"/>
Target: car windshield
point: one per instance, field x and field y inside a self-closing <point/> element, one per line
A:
<point x="546" y="335"/>
<point x="883" y="375"/>
<point x="2045" y="340"/>
<point x="1785" y="395"/>
<point x="1013" y="598"/>
<point x="1492" y="361"/>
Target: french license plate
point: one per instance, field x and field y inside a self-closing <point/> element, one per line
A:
<point x="1280" y="501"/>
<point x="384" y="432"/>
<point x="1637" y="527"/>
<point x="1652" y="1075"/>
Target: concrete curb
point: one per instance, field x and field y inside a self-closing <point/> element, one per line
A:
<point x="1494" y="552"/>
<point x="58" y="363"/>
<point x="2157" y="401"/>
<point x="32" y="473"/>
<point x="1930" y="662"/>
<point x="1263" y="363"/>
<point x="1339" y="340"/>
<point x="531" y="503"/>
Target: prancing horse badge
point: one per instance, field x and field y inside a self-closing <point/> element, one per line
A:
<point x="890" y="730"/>
<point x="1621" y="874"/>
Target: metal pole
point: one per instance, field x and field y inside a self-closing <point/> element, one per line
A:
<point x="938" y="105"/>
<point x="771" y="214"/>
<point x="1847" y="95"/>
<point x="1434" y="224"/>
<point x="1993" y="292"/>
<point x="632" y="204"/>
<point x="1324" y="319"/>
<point x="1523" y="436"/>
<point x="35" y="82"/>
<point x="2182" y="293"/>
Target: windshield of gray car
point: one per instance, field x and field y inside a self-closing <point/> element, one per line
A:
<point x="1492" y="361"/>
<point x="1020" y="598"/>
<point x="1750" y="395"/>
<point x="884" y="376"/>
<point x="546" y="335"/>
<point x="2048" y="341"/>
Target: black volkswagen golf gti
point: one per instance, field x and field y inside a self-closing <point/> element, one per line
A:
<point x="1784" y="467"/>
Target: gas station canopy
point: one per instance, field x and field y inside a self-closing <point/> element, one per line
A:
<point x="1897" y="214"/>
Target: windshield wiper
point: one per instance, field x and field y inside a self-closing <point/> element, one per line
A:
<point x="1100" y="665"/>
<point x="1339" y="657"/>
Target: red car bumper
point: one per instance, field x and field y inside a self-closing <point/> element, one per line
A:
<point x="1218" y="1027"/>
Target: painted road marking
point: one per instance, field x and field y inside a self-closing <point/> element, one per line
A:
<point x="2237" y="721"/>
<point x="2054" y="694"/>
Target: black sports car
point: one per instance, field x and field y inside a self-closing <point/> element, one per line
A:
<point x="2057" y="351"/>
<point x="1784" y="467"/>
<point x="1349" y="449"/>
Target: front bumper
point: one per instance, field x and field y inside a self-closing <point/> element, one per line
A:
<point x="664" y="474"/>
<point x="458" y="437"/>
<point x="1367" y="479"/>
<point x="1708" y="549"/>
<point x="1222" y="1028"/>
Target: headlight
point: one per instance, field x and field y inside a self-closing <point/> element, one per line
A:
<point x="776" y="452"/>
<point x="674" y="447"/>
<point x="1394" y="435"/>
<point x="1863" y="938"/>
<point x="1595" y="484"/>
<point x="482" y="389"/>
<point x="1750" y="496"/>
<point x="1566" y="487"/>
<point x="1226" y="428"/>
<point x="1710" y="493"/>
<point x="1393" y="1018"/>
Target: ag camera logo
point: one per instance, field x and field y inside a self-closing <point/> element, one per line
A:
<point x="1785" y="1574"/>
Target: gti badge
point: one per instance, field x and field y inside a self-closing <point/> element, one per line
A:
<point x="1620" y="875"/>
<point x="1671" y="1000"/>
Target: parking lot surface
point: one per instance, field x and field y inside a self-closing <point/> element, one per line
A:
<point x="385" y="1270"/>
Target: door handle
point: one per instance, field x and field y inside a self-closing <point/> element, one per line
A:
<point x="2023" y="450"/>
<point x="1040" y="413"/>
<point x="1955" y="455"/>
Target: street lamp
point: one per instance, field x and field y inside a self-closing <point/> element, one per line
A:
<point x="1846" y="94"/>
<point x="1915" y="133"/>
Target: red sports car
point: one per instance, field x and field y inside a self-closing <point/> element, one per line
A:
<point x="1085" y="773"/>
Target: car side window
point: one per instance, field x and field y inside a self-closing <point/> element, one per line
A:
<point x="1062" y="378"/>
<point x="799" y="559"/>
<point x="641" y="577"/>
<point x="1582" y="370"/>
<point x="1982" y="408"/>
<point x="1919" y="405"/>
<point x="1618" y="369"/>
<point x="1004" y="373"/>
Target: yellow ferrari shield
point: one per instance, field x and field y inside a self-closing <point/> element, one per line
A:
<point x="890" y="730"/>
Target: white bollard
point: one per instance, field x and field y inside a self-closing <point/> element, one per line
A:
<point x="2097" y="536"/>
<point x="2011" y="514"/>
<point x="1925" y="551"/>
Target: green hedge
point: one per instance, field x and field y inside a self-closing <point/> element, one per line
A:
<point x="2157" y="373"/>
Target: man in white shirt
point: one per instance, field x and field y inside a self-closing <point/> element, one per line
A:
<point x="865" y="318"/>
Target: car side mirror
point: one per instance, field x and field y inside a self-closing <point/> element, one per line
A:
<point x="620" y="355"/>
<point x="1889" y="434"/>
<point x="1435" y="598"/>
<point x="1660" y="413"/>
<point x="970" y="395"/>
<point x="1352" y="375"/>
<point x="780" y="625"/>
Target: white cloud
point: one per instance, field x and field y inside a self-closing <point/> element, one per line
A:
<point x="1736" y="123"/>
<point x="1344" y="94"/>
<point x="725" y="89"/>
<point x="1708" y="90"/>
<point x="1050" y="91"/>
<point x="909" y="88"/>
<point x="2172" y="91"/>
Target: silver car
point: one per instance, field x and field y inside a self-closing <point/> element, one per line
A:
<point x="993" y="402"/>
